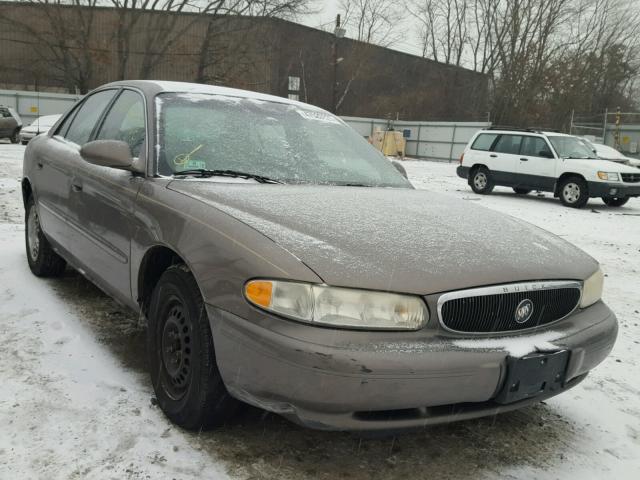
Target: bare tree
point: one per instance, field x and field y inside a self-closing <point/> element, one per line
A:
<point x="372" y="21"/>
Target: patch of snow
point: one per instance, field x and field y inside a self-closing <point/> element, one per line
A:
<point x="516" y="346"/>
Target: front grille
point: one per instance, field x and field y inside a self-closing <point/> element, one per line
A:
<point x="493" y="309"/>
<point x="631" y="177"/>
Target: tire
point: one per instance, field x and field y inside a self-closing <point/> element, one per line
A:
<point x="15" y="136"/>
<point x="182" y="360"/>
<point x="574" y="192"/>
<point x="615" y="201"/>
<point x="24" y="142"/>
<point x="521" y="191"/>
<point x="480" y="181"/>
<point x="43" y="261"/>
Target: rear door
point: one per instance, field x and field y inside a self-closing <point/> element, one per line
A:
<point x="536" y="164"/>
<point x="504" y="156"/>
<point x="55" y="165"/>
<point x="104" y="199"/>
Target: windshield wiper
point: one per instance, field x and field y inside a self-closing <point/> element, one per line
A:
<point x="203" y="172"/>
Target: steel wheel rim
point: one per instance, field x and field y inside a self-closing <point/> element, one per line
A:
<point x="33" y="230"/>
<point x="175" y="350"/>
<point x="480" y="180"/>
<point x="571" y="192"/>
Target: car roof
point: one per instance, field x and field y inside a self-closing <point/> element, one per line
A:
<point x="151" y="88"/>
<point x="525" y="132"/>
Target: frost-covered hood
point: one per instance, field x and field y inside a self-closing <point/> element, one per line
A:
<point x="411" y="241"/>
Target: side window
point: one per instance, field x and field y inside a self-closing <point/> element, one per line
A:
<point x="508" y="144"/>
<point x="86" y="118"/>
<point x="125" y="121"/>
<point x="64" y="126"/>
<point x="533" y="146"/>
<point x="484" y="141"/>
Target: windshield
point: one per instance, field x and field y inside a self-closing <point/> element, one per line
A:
<point x="571" y="147"/>
<point x="284" y="142"/>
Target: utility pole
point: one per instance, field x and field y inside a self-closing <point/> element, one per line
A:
<point x="616" y="135"/>
<point x="337" y="34"/>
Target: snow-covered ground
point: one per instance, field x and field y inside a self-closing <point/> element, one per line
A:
<point x="75" y="401"/>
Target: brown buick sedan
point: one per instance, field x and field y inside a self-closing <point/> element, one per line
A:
<point x="283" y="262"/>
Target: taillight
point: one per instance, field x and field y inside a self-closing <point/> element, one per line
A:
<point x="461" y="158"/>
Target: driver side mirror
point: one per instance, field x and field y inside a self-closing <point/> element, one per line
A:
<point x="400" y="168"/>
<point x="545" y="154"/>
<point x="109" y="153"/>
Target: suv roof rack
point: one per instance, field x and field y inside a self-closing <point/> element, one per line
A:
<point x="514" y="129"/>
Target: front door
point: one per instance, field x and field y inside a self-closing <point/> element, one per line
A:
<point x="56" y="166"/>
<point x="105" y="200"/>
<point x="536" y="164"/>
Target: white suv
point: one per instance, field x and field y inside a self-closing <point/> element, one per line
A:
<point x="530" y="159"/>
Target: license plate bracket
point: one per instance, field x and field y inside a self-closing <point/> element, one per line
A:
<point x="533" y="375"/>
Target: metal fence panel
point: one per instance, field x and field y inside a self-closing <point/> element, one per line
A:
<point x="432" y="140"/>
<point x="31" y="105"/>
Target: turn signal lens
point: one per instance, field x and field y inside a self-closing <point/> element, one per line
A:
<point x="259" y="292"/>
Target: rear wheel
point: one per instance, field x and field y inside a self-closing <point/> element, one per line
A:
<point x="574" y="192"/>
<point x="185" y="376"/>
<point x="521" y="191"/>
<point x="615" y="201"/>
<point x="481" y="181"/>
<point x="43" y="261"/>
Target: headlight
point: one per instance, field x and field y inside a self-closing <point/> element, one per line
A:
<point x="612" y="176"/>
<point x="338" y="307"/>
<point x="592" y="289"/>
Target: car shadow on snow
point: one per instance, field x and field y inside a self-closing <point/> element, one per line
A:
<point x="261" y="445"/>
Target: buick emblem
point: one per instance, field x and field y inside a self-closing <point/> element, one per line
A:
<point x="524" y="310"/>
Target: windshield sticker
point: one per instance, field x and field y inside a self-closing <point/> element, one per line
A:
<point x="318" y="116"/>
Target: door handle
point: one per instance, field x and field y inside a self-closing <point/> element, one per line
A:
<point x="524" y="159"/>
<point x="76" y="187"/>
<point x="493" y="155"/>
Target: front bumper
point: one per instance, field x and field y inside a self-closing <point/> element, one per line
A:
<point x="617" y="190"/>
<point x="348" y="380"/>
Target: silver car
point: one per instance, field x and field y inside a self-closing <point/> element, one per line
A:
<point x="283" y="262"/>
<point x="40" y="125"/>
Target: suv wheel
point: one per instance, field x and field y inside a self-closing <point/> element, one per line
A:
<point x="43" y="261"/>
<point x="182" y="360"/>
<point x="480" y="181"/>
<point x="574" y="192"/>
<point x="521" y="191"/>
<point x="15" y="136"/>
<point x="615" y="201"/>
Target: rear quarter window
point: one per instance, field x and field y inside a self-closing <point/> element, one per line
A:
<point x="484" y="141"/>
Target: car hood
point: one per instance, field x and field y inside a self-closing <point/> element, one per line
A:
<point x="403" y="240"/>
<point x="601" y="165"/>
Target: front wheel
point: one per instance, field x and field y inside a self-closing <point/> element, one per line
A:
<point x="481" y="181"/>
<point x="615" y="201"/>
<point x="182" y="360"/>
<point x="574" y="192"/>
<point x="15" y="137"/>
<point x="43" y="260"/>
